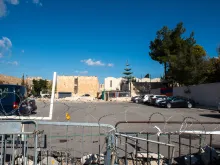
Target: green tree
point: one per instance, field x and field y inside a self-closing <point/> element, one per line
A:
<point x="188" y="66"/>
<point x="212" y="70"/>
<point x="160" y="47"/>
<point x="36" y="87"/>
<point x="182" y="58"/>
<point x="128" y="75"/>
<point x="40" y="86"/>
<point x="127" y="72"/>
<point x="22" y="80"/>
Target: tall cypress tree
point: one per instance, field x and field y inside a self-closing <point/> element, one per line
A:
<point x="128" y="75"/>
<point x="22" y="80"/>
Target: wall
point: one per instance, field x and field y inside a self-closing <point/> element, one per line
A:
<point x="65" y="84"/>
<point x="139" y="88"/>
<point x="116" y="83"/>
<point x="10" y="80"/>
<point x="155" y="91"/>
<point x="86" y="85"/>
<point x="204" y="94"/>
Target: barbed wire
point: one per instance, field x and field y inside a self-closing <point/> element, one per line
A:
<point x="92" y="111"/>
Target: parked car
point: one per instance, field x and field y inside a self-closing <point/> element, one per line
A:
<point x="14" y="101"/>
<point x="159" y="99"/>
<point x="177" y="102"/>
<point x="137" y="99"/>
<point x="134" y="98"/>
<point x="154" y="98"/>
<point x="146" y="98"/>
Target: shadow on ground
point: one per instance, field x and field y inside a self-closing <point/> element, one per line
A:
<point x="217" y="116"/>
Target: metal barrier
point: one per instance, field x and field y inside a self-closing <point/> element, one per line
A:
<point x="184" y="146"/>
<point x="77" y="143"/>
<point x="17" y="145"/>
<point x="42" y="142"/>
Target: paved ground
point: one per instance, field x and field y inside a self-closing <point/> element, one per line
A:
<point x="91" y="112"/>
<point x="80" y="140"/>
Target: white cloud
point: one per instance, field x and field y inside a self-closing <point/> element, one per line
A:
<point x="3" y="8"/>
<point x="4" y="3"/>
<point x="5" y="43"/>
<point x="37" y="2"/>
<point x="13" y="2"/>
<point x="81" y="72"/>
<point x="13" y="63"/>
<point x="110" y="65"/>
<point x="91" y="62"/>
<point x="5" y="46"/>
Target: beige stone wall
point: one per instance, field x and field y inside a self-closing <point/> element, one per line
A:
<point x="10" y="80"/>
<point x="65" y="84"/>
<point x="88" y="85"/>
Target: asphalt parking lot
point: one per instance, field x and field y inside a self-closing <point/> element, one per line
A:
<point x="113" y="112"/>
<point x="81" y="140"/>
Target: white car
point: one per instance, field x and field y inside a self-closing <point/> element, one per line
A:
<point x="160" y="98"/>
<point x="154" y="98"/>
<point x="146" y="98"/>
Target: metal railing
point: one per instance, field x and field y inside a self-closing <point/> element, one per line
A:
<point x="77" y="142"/>
<point x="184" y="145"/>
<point x="17" y="144"/>
<point x="45" y="142"/>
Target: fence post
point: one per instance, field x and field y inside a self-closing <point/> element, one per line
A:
<point x="126" y="150"/>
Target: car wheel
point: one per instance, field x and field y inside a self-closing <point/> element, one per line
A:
<point x="136" y="101"/>
<point x="169" y="105"/>
<point x="189" y="105"/>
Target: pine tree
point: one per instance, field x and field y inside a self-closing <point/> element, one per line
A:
<point x="128" y="75"/>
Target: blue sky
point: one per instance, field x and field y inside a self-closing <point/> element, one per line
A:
<point x="95" y="37"/>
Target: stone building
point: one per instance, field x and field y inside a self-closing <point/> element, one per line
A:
<point x="68" y="86"/>
<point x="112" y="84"/>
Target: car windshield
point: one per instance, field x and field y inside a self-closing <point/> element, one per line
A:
<point x="170" y="98"/>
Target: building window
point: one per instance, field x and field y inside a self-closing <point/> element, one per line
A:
<point x="110" y="83"/>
